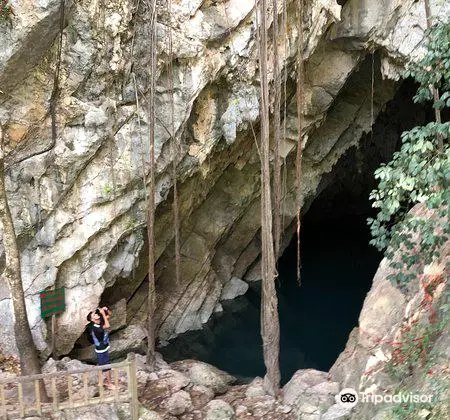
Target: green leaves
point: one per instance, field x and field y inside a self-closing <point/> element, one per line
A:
<point x="434" y="68"/>
<point x="418" y="173"/>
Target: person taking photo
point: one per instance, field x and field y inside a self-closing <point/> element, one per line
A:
<point x="97" y="335"/>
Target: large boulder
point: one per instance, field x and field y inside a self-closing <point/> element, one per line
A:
<point x="201" y="373"/>
<point x="200" y="395"/>
<point x="255" y="388"/>
<point x="141" y="362"/>
<point x="145" y="414"/>
<point x="335" y="412"/>
<point x="177" y="404"/>
<point x="310" y="392"/>
<point x="162" y="387"/>
<point x="218" y="410"/>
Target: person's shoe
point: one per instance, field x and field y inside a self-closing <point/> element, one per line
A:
<point x="111" y="387"/>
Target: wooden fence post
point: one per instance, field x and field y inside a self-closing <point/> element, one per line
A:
<point x="54" y="395"/>
<point x="85" y="387"/>
<point x="3" y="401"/>
<point x="21" y="403"/>
<point x="101" y="391"/>
<point x="37" y="393"/>
<point x="116" y="383"/>
<point x="132" y="378"/>
<point x="70" y="390"/>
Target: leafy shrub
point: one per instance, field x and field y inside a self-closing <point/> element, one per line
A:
<point x="418" y="173"/>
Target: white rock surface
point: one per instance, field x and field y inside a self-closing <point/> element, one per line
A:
<point x="78" y="201"/>
<point x="234" y="288"/>
<point x="178" y="403"/>
<point x="219" y="410"/>
<point x="205" y="375"/>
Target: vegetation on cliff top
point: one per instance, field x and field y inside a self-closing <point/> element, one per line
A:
<point x="419" y="172"/>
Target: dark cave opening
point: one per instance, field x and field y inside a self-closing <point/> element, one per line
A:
<point x="338" y="266"/>
<point x="315" y="318"/>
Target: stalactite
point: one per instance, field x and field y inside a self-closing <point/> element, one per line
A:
<point x="270" y="329"/>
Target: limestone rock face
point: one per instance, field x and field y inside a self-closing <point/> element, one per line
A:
<point x="234" y="288"/>
<point x="400" y="343"/>
<point x="76" y="184"/>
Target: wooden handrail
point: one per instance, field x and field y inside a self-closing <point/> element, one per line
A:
<point x="22" y="379"/>
<point x="66" y="405"/>
<point x="21" y="408"/>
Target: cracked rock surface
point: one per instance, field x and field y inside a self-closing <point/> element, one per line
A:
<point x="78" y="198"/>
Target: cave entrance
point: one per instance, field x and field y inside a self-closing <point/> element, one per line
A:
<point x="338" y="266"/>
<point x="337" y="269"/>
<point x="315" y="319"/>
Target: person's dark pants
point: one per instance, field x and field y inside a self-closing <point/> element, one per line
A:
<point x="103" y="359"/>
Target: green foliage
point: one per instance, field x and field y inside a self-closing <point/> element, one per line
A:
<point x="107" y="189"/>
<point x="418" y="173"/>
<point x="434" y="68"/>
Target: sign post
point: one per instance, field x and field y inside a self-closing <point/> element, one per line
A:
<point x="52" y="302"/>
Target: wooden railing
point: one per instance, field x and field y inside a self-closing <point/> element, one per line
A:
<point x="27" y="400"/>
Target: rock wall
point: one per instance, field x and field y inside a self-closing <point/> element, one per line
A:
<point x="401" y="344"/>
<point x="78" y="197"/>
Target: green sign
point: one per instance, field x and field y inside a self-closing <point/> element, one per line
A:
<point x="52" y="302"/>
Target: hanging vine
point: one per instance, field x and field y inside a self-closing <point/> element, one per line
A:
<point x="270" y="329"/>
<point x="151" y="324"/>
<point x="276" y="131"/>
<point x="174" y="153"/>
<point x="299" y="97"/>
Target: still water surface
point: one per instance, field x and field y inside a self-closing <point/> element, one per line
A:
<point x="316" y="318"/>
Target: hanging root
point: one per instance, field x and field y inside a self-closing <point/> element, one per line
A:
<point x="276" y="132"/>
<point x="299" y="96"/>
<point x="270" y="328"/>
<point x="151" y="324"/>
<point x="174" y="153"/>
